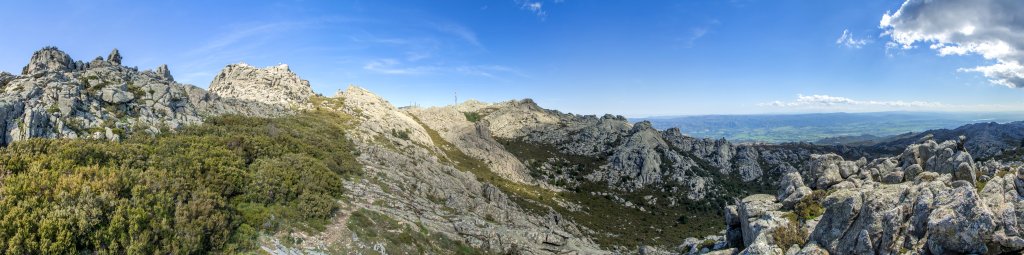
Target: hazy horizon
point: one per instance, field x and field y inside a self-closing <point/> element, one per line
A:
<point x="678" y="58"/>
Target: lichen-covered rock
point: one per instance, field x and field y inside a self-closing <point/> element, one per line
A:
<point x="960" y="224"/>
<point x="842" y="207"/>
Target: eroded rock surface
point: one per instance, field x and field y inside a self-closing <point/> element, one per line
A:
<point x="927" y="200"/>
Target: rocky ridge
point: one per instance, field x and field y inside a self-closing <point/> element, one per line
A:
<point x="635" y="156"/>
<point x="57" y="97"/>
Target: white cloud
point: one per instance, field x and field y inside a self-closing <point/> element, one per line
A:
<point x="536" y="7"/>
<point x="847" y="40"/>
<point x="826" y="101"/>
<point x="993" y="29"/>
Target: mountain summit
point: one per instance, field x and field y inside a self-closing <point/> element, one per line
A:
<point x="271" y="85"/>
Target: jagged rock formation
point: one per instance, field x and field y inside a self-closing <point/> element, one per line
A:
<point x="927" y="200"/>
<point x="56" y="97"/>
<point x="634" y="156"/>
<point x="276" y="85"/>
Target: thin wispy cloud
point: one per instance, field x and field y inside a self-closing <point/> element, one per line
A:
<point x="695" y="33"/>
<point x="991" y="29"/>
<point x="390" y="66"/>
<point x="849" y="41"/>
<point x="492" y="71"/>
<point x="460" y="32"/>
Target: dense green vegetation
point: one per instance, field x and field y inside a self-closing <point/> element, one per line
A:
<point x="207" y="188"/>
<point x="398" y="238"/>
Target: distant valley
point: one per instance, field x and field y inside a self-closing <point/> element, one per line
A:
<point x="821" y="127"/>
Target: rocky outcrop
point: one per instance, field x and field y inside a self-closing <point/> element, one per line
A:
<point x="49" y="59"/>
<point x="114" y="57"/>
<point x="792" y="189"/>
<point x="644" y="158"/>
<point x="164" y="73"/>
<point x="276" y="85"/>
<point x="923" y="201"/>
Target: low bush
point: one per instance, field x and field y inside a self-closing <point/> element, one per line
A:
<point x="207" y="188"/>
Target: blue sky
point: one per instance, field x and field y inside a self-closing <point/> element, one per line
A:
<point x="636" y="58"/>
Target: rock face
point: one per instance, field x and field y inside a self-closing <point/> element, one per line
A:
<point x="56" y="97"/>
<point x="49" y="59"/>
<point x="276" y="85"/>
<point x="927" y="200"/>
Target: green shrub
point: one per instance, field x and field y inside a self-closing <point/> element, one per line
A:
<point x="53" y="109"/>
<point x="205" y="189"/>
<point x="472" y="116"/>
<point x="400" y="134"/>
<point x="810" y="206"/>
<point x="789" y="234"/>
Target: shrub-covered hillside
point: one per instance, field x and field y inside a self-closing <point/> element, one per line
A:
<point x="211" y="187"/>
